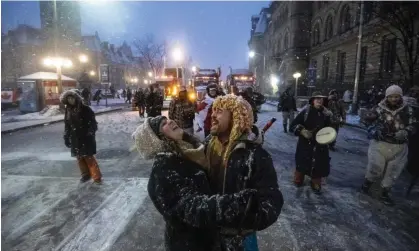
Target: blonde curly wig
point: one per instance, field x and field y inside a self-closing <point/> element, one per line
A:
<point x="242" y="115"/>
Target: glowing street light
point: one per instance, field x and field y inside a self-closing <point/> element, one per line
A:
<point x="150" y="74"/>
<point x="177" y="54"/>
<point x="145" y="81"/>
<point x="92" y="73"/>
<point x="83" y="58"/>
<point x="194" y="69"/>
<point x="252" y="54"/>
<point x="296" y="75"/>
<point x="58" y="63"/>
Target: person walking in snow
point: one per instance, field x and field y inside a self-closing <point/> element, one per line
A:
<point x="236" y="163"/>
<point x="182" y="111"/>
<point x="288" y="107"/>
<point x="311" y="158"/>
<point x="391" y="124"/>
<point x="179" y="188"/>
<point x="204" y="109"/>
<point x="247" y="95"/>
<point x="153" y="103"/>
<point x="338" y="118"/>
<point x="98" y="96"/>
<point x="86" y="94"/>
<point x="129" y="96"/>
<point x="79" y="135"/>
<point x="140" y="102"/>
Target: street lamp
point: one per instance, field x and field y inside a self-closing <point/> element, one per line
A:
<point x="83" y="58"/>
<point x="150" y="74"/>
<point x="252" y="54"/>
<point x="92" y="73"/>
<point x="194" y="69"/>
<point x="296" y="75"/>
<point x="58" y="63"/>
<point x="145" y="81"/>
<point x="178" y="56"/>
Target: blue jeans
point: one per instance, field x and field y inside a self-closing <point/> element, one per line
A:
<point x="251" y="243"/>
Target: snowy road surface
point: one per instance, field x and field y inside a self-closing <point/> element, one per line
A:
<point x="45" y="208"/>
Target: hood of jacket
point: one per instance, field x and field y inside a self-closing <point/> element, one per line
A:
<point x="146" y="141"/>
<point x="66" y="94"/>
<point x="383" y="105"/>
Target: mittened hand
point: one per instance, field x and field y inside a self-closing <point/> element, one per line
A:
<point x="401" y="135"/>
<point x="306" y="134"/>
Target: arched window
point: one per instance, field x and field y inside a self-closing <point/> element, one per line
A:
<point x="345" y="19"/>
<point x="329" y="28"/>
<point x="316" y="34"/>
<point x="286" y="37"/>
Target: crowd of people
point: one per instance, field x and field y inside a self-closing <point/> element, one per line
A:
<point x="216" y="194"/>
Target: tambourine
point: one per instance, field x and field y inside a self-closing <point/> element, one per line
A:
<point x="326" y="136"/>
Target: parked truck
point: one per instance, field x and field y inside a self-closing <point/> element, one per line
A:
<point x="202" y="78"/>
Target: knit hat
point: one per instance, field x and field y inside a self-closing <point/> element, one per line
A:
<point x="156" y="124"/>
<point x="394" y="90"/>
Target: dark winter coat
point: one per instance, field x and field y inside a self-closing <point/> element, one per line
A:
<point x="252" y="103"/>
<point x="182" y="112"/>
<point x="249" y="166"/>
<point x="129" y="94"/>
<point x="312" y="158"/>
<point x="154" y="104"/>
<point x="180" y="191"/>
<point x="384" y="122"/>
<point x="413" y="156"/>
<point x="287" y="103"/>
<point x="97" y="95"/>
<point x="337" y="107"/>
<point x="139" y="98"/>
<point x="80" y="126"/>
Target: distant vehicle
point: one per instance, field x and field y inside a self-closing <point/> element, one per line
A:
<point x="243" y="79"/>
<point x="202" y="78"/>
<point x="240" y="78"/>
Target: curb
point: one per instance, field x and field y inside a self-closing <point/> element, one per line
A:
<point x="52" y="122"/>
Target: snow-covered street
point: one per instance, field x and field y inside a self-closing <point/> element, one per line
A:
<point x="44" y="207"/>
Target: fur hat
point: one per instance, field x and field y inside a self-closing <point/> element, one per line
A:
<point x="242" y="116"/>
<point x="148" y="144"/>
<point x="394" y="90"/>
<point x="72" y="93"/>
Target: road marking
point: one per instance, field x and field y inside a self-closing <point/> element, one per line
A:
<point x="102" y="227"/>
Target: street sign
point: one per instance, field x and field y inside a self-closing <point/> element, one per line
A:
<point x="104" y="73"/>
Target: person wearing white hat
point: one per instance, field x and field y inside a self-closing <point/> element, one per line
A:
<point x="391" y="124"/>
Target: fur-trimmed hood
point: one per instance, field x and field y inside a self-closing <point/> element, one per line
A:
<point x="147" y="142"/>
<point x="66" y="94"/>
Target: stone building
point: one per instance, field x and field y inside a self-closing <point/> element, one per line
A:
<point x="319" y="40"/>
<point x="22" y="52"/>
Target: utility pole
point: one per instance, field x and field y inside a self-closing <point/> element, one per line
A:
<point x="358" y="61"/>
<point x="55" y="37"/>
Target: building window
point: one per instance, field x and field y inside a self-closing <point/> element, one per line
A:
<point x="286" y="42"/>
<point x="325" y="67"/>
<point x="345" y="23"/>
<point x="316" y="34"/>
<point x="329" y="28"/>
<point x="340" y="67"/>
<point x="388" y="56"/>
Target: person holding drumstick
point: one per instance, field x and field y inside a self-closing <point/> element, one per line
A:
<point x="311" y="158"/>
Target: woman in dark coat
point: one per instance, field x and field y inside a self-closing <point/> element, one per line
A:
<point x="311" y="158"/>
<point x="79" y="135"/>
<point x="180" y="191"/>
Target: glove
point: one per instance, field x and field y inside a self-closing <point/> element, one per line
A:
<point x="401" y="135"/>
<point x="306" y="134"/>
<point x="67" y="142"/>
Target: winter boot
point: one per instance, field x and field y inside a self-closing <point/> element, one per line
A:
<point x="366" y="186"/>
<point x="285" y="128"/>
<point x="316" y="185"/>
<point x="385" y="197"/>
<point x="85" y="178"/>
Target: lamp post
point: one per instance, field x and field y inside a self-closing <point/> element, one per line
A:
<point x="178" y="56"/>
<point x="58" y="63"/>
<point x="296" y="75"/>
<point x="252" y="54"/>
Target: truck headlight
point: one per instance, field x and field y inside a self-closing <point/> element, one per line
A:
<point x="192" y="96"/>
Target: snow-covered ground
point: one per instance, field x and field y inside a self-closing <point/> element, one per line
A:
<point x="45" y="208"/>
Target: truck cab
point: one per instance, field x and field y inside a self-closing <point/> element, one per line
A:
<point x="201" y="79"/>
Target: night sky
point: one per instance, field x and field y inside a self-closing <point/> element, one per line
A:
<point x="212" y="33"/>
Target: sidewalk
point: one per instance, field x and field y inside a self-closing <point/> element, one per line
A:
<point x="19" y="122"/>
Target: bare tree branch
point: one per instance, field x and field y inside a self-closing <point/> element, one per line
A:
<point x="151" y="53"/>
